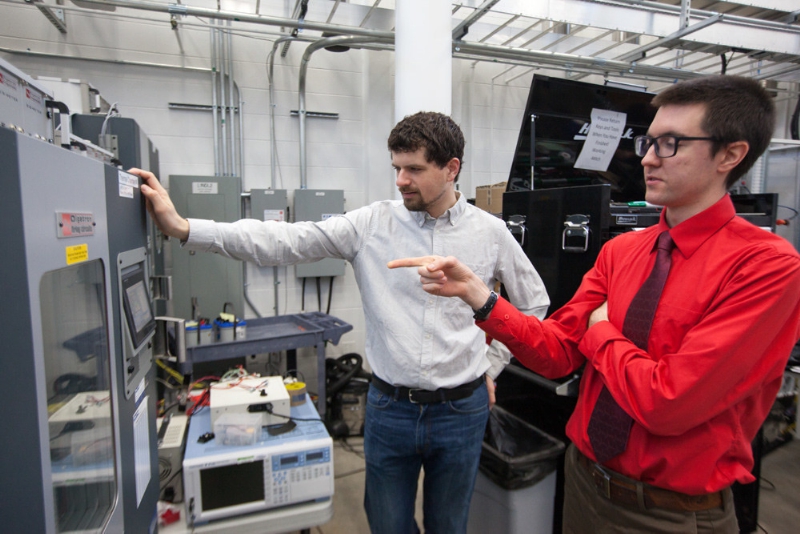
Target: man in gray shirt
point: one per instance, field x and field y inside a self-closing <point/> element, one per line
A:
<point x="429" y="401"/>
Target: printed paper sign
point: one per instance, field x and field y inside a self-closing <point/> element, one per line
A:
<point x="602" y="140"/>
<point x="274" y="215"/>
<point x="205" y="188"/>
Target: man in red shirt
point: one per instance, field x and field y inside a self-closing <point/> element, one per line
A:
<point x="699" y="386"/>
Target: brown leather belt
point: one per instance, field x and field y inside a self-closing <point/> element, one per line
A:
<point x="424" y="396"/>
<point x="622" y="490"/>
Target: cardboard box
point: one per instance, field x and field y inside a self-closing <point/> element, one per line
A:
<point x="490" y="197"/>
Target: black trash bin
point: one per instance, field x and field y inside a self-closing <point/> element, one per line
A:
<point x="515" y="490"/>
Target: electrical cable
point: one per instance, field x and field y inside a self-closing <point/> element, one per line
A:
<point x="169" y="370"/>
<point x="112" y="112"/>
<point x="290" y="418"/>
<point x="789" y="208"/>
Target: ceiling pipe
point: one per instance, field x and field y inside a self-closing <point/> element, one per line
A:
<point x="181" y="9"/>
<point x="542" y="58"/>
<point x="676" y="10"/>
<point x="560" y="61"/>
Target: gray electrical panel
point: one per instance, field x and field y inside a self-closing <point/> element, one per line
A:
<point x="269" y="205"/>
<point x="318" y="205"/>
<point x="211" y="279"/>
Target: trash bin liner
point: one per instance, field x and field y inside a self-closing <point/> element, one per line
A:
<point x="516" y="454"/>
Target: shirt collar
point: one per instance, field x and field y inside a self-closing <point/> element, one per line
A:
<point x="689" y="235"/>
<point x="453" y="214"/>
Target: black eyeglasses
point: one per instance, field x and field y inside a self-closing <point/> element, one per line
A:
<point x="666" y="145"/>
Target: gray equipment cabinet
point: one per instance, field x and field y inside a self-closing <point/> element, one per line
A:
<point x="79" y="428"/>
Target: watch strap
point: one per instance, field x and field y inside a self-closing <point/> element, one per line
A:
<point x="482" y="313"/>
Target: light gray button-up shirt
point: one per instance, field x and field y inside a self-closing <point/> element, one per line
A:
<point x="413" y="339"/>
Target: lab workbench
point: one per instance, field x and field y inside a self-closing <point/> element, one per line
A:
<point x="275" y="334"/>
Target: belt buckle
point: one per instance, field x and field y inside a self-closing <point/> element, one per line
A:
<point x="606" y="484"/>
<point x="411" y="395"/>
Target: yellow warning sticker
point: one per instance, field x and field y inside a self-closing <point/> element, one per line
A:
<point x="77" y="254"/>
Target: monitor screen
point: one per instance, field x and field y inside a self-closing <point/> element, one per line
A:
<point x="563" y="110"/>
<point x="231" y="485"/>
<point x="136" y="301"/>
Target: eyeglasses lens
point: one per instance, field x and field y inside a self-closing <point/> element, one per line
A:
<point x="665" y="145"/>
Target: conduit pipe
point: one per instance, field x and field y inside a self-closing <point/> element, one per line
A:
<point x="273" y="148"/>
<point x="270" y="70"/>
<point x="223" y="130"/>
<point x="310" y="49"/>
<point x="214" y="118"/>
<point x="232" y="107"/>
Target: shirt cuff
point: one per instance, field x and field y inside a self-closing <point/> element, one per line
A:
<point x="201" y="234"/>
<point x="597" y="336"/>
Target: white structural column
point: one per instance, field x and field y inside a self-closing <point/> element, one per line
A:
<point x="423" y="57"/>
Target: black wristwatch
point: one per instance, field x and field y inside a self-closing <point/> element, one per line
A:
<point x="486" y="309"/>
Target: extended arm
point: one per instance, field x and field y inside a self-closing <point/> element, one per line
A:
<point x="549" y="348"/>
<point x="447" y="277"/>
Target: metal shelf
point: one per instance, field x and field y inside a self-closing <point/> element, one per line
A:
<point x="275" y="334"/>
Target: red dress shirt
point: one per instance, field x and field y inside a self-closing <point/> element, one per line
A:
<point x="723" y="331"/>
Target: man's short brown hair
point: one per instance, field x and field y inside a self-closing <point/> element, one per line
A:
<point x="437" y="133"/>
<point x="736" y="109"/>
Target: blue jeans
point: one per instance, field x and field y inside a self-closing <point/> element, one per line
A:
<point x="444" y="439"/>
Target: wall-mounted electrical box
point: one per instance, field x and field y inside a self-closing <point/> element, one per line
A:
<point x="210" y="278"/>
<point x="318" y="205"/>
<point x="269" y="205"/>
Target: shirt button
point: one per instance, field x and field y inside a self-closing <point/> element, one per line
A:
<point x="427" y="336"/>
<point x="507" y="316"/>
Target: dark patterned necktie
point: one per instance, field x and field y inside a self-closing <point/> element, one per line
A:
<point x="610" y="425"/>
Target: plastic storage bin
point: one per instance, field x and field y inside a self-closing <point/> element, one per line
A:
<point x="237" y="429"/>
<point x="515" y="489"/>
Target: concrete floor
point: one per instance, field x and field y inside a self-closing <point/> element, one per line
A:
<point x="779" y="502"/>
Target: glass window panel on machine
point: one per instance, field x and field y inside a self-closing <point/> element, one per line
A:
<point x="79" y="443"/>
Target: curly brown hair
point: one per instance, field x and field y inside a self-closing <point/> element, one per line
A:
<point x="436" y="132"/>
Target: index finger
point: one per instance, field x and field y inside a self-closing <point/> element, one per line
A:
<point x="410" y="262"/>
